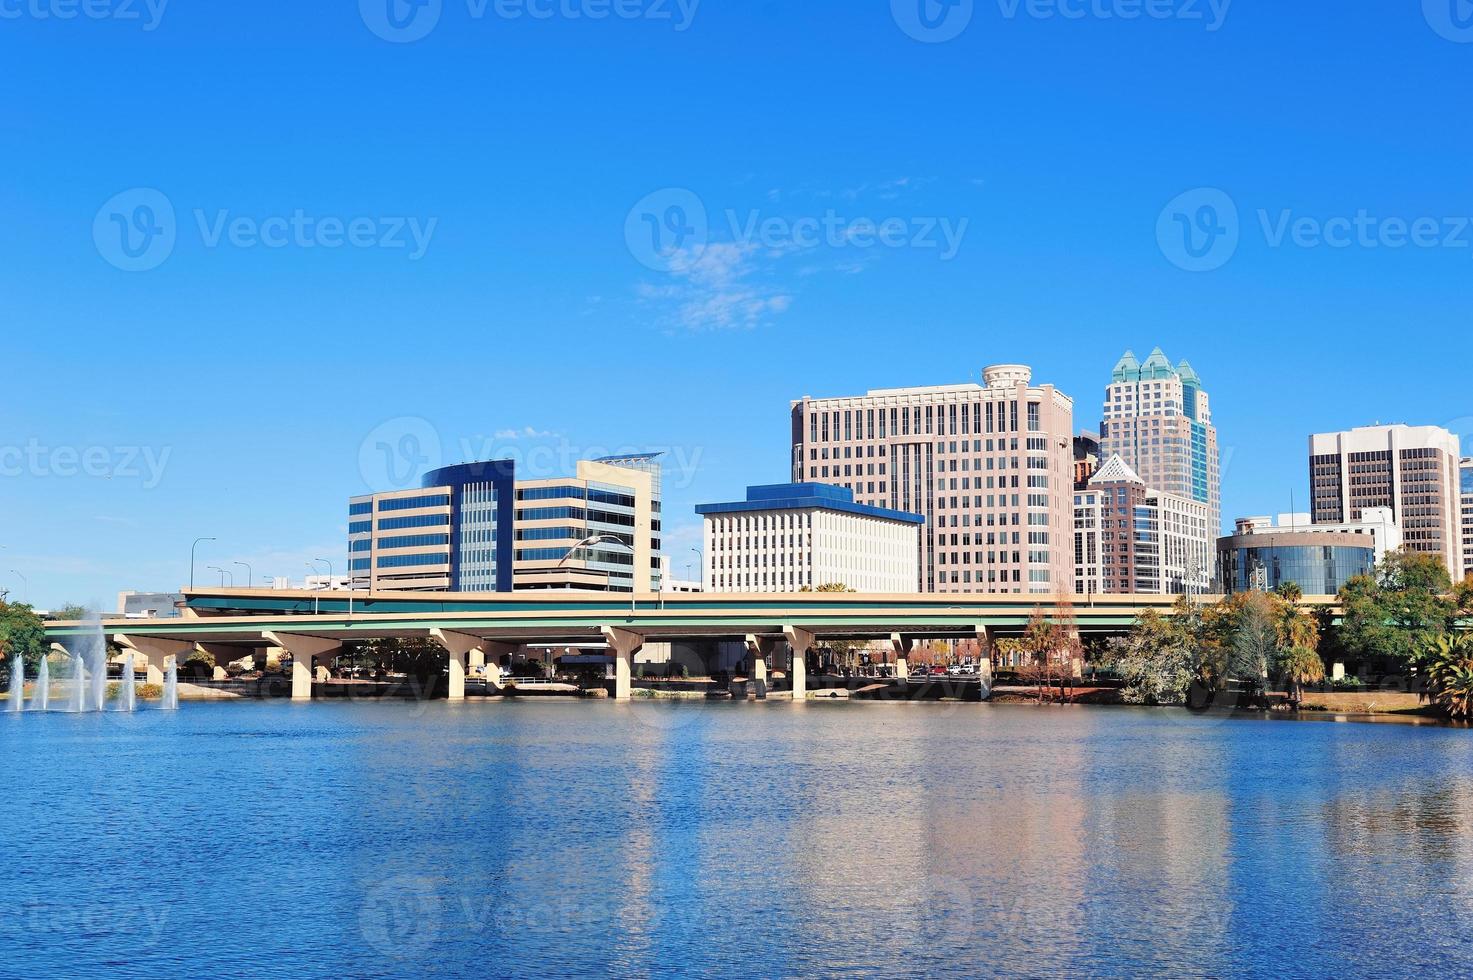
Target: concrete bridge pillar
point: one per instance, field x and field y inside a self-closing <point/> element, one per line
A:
<point x="984" y="676"/>
<point x="463" y="649"/>
<point x="988" y="636"/>
<point x="303" y="649"/>
<point x="801" y="641"/>
<point x="759" y="649"/>
<point x="153" y="654"/>
<point x="903" y="646"/>
<point x="624" y="644"/>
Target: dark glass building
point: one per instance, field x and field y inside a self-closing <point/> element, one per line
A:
<point x="454" y="533"/>
<point x="1319" y="562"/>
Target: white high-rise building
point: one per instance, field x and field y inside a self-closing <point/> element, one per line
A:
<point x="803" y="536"/>
<point x="1414" y="470"/>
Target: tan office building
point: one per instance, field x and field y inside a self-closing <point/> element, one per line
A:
<point x="990" y="468"/>
<point x="1411" y="469"/>
<point x="1466" y="472"/>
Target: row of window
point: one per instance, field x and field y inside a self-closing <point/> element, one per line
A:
<point x="415" y="503"/>
<point x="570" y="492"/>
<point x="859" y="424"/>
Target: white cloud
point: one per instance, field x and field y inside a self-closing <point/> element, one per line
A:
<point x="526" y="432"/>
<point x="714" y="289"/>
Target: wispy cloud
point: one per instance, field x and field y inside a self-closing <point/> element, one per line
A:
<point x="526" y="432"/>
<point x="718" y="288"/>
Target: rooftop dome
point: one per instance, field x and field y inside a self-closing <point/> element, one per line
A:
<point x="1007" y="375"/>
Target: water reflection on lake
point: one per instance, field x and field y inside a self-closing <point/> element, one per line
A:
<point x="732" y="840"/>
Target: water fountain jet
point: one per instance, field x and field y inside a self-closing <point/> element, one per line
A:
<point x="130" y="691"/>
<point x="171" y="686"/>
<point x="17" y="683"/>
<point x="41" y="700"/>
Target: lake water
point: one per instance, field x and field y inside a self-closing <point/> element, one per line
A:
<point x="569" y="839"/>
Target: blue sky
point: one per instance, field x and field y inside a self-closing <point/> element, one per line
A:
<point x="240" y="391"/>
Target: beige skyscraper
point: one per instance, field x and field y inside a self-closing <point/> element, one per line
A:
<point x="1158" y="420"/>
<point x="990" y="467"/>
<point x="1411" y="469"/>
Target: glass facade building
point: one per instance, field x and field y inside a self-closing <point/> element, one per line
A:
<point x="474" y="528"/>
<point x="453" y="533"/>
<point x="1319" y="563"/>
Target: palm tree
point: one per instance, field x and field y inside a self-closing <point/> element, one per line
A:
<point x="1290" y="592"/>
<point x="1449" y="663"/>
<point x="1301" y="665"/>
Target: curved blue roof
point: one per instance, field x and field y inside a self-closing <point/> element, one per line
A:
<point x="806" y="496"/>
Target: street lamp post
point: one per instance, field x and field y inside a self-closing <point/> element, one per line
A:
<point x="600" y="539"/>
<point x="701" y="566"/>
<point x="191" y="559"/>
<point x="329" y="571"/>
<point x="223" y="573"/>
<point x="314" y="591"/>
<point x="250" y="573"/>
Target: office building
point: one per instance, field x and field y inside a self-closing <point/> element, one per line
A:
<point x="1413" y="470"/>
<point x="598" y="531"/>
<point x="1320" y="560"/>
<point x="791" y="537"/>
<point x="451" y="534"/>
<point x="1132" y="539"/>
<point x="1378" y="524"/>
<point x="1466" y="473"/>
<point x="1158" y="419"/>
<point x="149" y="605"/>
<point x="475" y="528"/>
<point x="989" y="467"/>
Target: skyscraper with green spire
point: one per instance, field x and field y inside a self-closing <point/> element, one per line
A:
<point x="1158" y="419"/>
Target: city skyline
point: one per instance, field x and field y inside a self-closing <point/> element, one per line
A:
<point x="398" y="452"/>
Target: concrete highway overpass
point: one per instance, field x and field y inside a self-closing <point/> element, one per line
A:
<point x="235" y="623"/>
